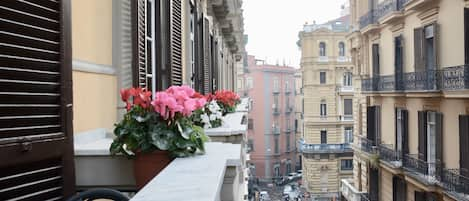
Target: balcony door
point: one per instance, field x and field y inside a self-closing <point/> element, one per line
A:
<point x="430" y="144"/>
<point x="463" y="145"/>
<point x="373" y="124"/>
<point x="36" y="135"/>
<point x="398" y="62"/>
<point x="401" y="143"/>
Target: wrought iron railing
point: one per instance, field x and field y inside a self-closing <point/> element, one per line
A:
<point x="369" y="197"/>
<point x="367" y="145"/>
<point x="453" y="180"/>
<point x="387" y="153"/>
<point x="382" y="9"/>
<point x="450" y="78"/>
<point x="414" y="164"/>
<point x="276" y="111"/>
<point x="324" y="148"/>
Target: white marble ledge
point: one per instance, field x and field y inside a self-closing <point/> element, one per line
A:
<point x="198" y="178"/>
<point x="94" y="142"/>
<point x="232" y="125"/>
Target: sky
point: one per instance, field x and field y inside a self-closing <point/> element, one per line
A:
<point x="272" y="26"/>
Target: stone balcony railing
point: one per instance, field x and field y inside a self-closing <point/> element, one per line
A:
<point x="219" y="174"/>
<point x="324" y="148"/>
<point x="349" y="191"/>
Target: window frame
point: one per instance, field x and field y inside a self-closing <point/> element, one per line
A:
<point x="341" y="49"/>
<point x="322" y="77"/>
<point x="346" y="164"/>
<point x="322" y="49"/>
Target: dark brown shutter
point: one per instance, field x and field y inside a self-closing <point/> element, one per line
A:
<point x="207" y="80"/>
<point x="419" y="61"/>
<point x="36" y="135"/>
<point x="405" y="131"/>
<point x="199" y="63"/>
<point x="377" y="125"/>
<point x="138" y="44"/>
<point x="422" y="129"/>
<point x="370" y="123"/>
<point x="436" y="37"/>
<point x="463" y="144"/>
<point x="375" y="59"/>
<point x="215" y="83"/>
<point x="175" y="38"/>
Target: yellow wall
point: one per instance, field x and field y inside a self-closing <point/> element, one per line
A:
<point x="95" y="98"/>
<point x="92" y="31"/>
<point x="94" y="95"/>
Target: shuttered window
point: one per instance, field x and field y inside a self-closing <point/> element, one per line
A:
<point x="175" y="37"/>
<point x="463" y="144"/>
<point x="399" y="188"/>
<point x="139" y="45"/>
<point x="426" y="47"/>
<point x="375" y="59"/>
<point x="323" y="137"/>
<point x="422" y="139"/>
<point x="373" y="124"/>
<point x="35" y="100"/>
<point x="401" y="127"/>
<point x="207" y="75"/>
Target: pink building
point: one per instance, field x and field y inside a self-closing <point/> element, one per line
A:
<point x="271" y="134"/>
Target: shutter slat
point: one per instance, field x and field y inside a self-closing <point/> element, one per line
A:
<point x="19" y="111"/>
<point x="29" y="30"/>
<point x="17" y="74"/>
<point x="31" y="99"/>
<point x="28" y="18"/>
<point x="46" y="5"/>
<point x="16" y="62"/>
<point x="32" y="9"/>
<point x="20" y="40"/>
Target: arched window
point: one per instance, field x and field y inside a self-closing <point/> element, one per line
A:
<point x="322" y="49"/>
<point x="323" y="108"/>
<point x="342" y="49"/>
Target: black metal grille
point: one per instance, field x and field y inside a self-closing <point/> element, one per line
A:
<point x="367" y="145"/>
<point x="450" y="78"/>
<point x="389" y="154"/>
<point x="453" y="180"/>
<point x="413" y="164"/>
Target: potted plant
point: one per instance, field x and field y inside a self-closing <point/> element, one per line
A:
<point x="227" y="100"/>
<point x="154" y="131"/>
<point x="210" y="116"/>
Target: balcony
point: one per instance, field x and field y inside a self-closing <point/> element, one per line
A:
<point x="275" y="91"/>
<point x="346" y="89"/>
<point x="390" y="155"/>
<point x="386" y="11"/>
<point x="324" y="148"/>
<point x="276" y="111"/>
<point x="323" y="59"/>
<point x="276" y="130"/>
<point x="369" y="197"/>
<point x="454" y="182"/>
<point x="447" y="79"/>
<point x="287" y="91"/>
<point x="349" y="191"/>
<point x="222" y="167"/>
<point x="288" y="130"/>
<point x="367" y="145"/>
<point x="346" y="118"/>
<point x="288" y="109"/>
<point x="426" y="172"/>
<point x="343" y="59"/>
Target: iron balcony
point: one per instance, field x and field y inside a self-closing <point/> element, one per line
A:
<point x="325" y="148"/>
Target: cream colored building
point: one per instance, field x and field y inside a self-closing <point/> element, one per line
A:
<point x="328" y="114"/>
<point x="298" y="112"/>
<point x="206" y="46"/>
<point x="412" y="130"/>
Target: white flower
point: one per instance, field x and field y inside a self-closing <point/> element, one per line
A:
<point x="213" y="117"/>
<point x="213" y="107"/>
<point x="206" y="120"/>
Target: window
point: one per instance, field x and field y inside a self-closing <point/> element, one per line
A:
<point x="276" y="145"/>
<point x="287" y="137"/>
<point x="375" y="59"/>
<point x="430" y="139"/>
<point x="323" y="108"/>
<point x="347" y="81"/>
<point x="322" y="77"/>
<point x="401" y="131"/>
<point x="463" y="142"/>
<point x="250" y="145"/>
<point x="341" y="49"/>
<point x="346" y="164"/>
<point x="425" y="47"/>
<point x="348" y="135"/>
<point x="296" y="125"/>
<point x="287" y="89"/>
<point x="276" y="84"/>
<point x="323" y="137"/>
<point x="322" y="49"/>
<point x="288" y="167"/>
<point x="276" y="106"/>
<point x="249" y="83"/>
<point x="250" y="124"/>
<point x="431" y="143"/>
<point x="277" y="170"/>
<point x="348" y="113"/>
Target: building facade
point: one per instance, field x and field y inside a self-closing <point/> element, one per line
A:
<point x="271" y="138"/>
<point x="63" y="63"/>
<point x="298" y="113"/>
<point x="328" y="113"/>
<point x="411" y="57"/>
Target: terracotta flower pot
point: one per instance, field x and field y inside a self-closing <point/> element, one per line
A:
<point x="148" y="165"/>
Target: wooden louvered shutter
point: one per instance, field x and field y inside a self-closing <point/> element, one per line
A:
<point x="214" y="65"/>
<point x="418" y="50"/>
<point x="207" y="79"/>
<point x="405" y="132"/>
<point x="139" y="69"/>
<point x="463" y="144"/>
<point x="422" y="129"/>
<point x="175" y="36"/>
<point x="377" y="123"/>
<point x="370" y="123"/>
<point x="199" y="62"/>
<point x="36" y="139"/>
<point x="375" y="59"/>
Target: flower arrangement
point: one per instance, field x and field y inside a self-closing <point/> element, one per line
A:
<point x="211" y="116"/>
<point x="163" y="123"/>
<point x="227" y="100"/>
